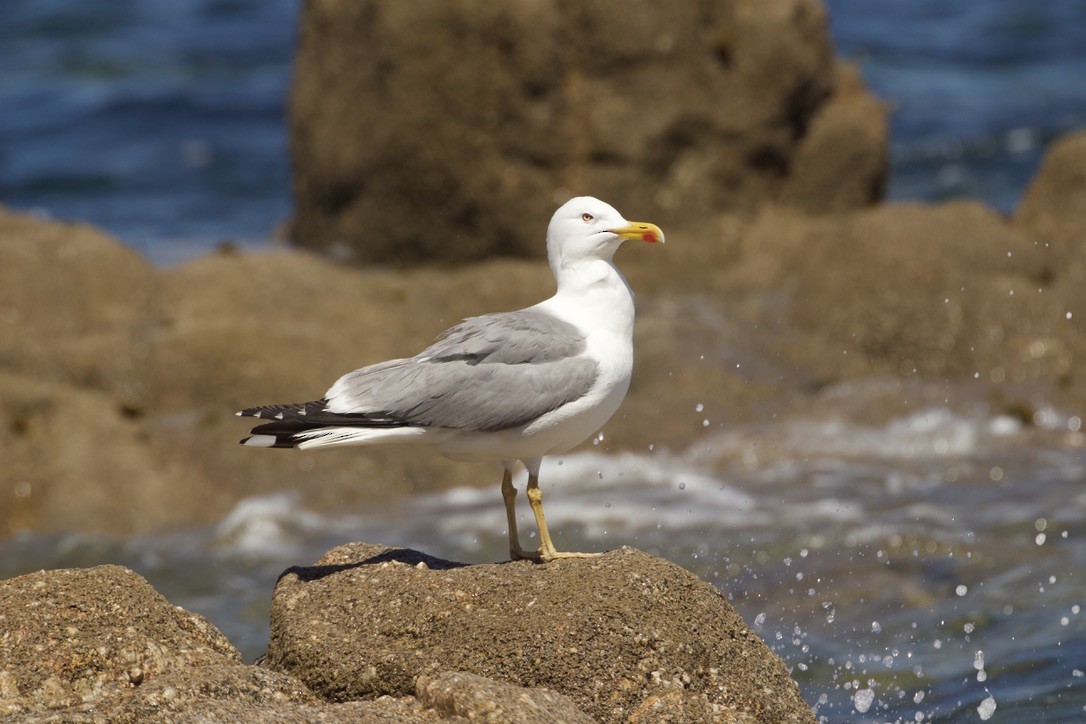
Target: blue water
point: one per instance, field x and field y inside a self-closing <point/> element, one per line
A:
<point x="164" y="120"/>
<point x="978" y="87"/>
<point x="161" y="121"/>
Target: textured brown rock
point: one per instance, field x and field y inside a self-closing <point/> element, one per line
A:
<point x="1055" y="202"/>
<point x="947" y="290"/>
<point x="611" y="633"/>
<point x="437" y="132"/>
<point x="73" y="302"/>
<point x="101" y="645"/>
<point x="477" y="698"/>
<point x="1054" y="209"/>
<point x="842" y="162"/>
<point x="76" y="458"/>
<point x="69" y="637"/>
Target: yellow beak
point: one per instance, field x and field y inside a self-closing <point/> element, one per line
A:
<point x="640" y="230"/>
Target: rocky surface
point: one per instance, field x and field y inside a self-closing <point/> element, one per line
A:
<point x="372" y="634"/>
<point x="440" y="132"/>
<point x="101" y="645"/>
<point x="102" y="639"/>
<point x="624" y="635"/>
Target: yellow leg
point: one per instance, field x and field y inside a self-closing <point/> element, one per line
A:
<point x="509" y="494"/>
<point x="546" y="549"/>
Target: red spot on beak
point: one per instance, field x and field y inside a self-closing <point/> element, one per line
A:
<point x="649" y="236"/>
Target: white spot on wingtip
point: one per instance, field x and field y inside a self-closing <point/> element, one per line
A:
<point x="238" y="413"/>
<point x="257" y="415"/>
<point x="279" y="416"/>
<point x="260" y="441"/>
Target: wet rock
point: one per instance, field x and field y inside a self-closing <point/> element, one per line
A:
<point x="618" y="634"/>
<point x="424" y="133"/>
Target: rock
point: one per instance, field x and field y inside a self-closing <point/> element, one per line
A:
<point x="101" y="645"/>
<point x="73" y="303"/>
<point x="936" y="291"/>
<point x="442" y="132"/>
<point x="77" y="636"/>
<point x="618" y="634"/>
<point x="76" y="459"/>
<point x="478" y="698"/>
<point x="1054" y="209"/>
<point x="842" y="162"/>
<point x="1054" y="205"/>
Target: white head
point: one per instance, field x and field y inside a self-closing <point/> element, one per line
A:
<point x="587" y="229"/>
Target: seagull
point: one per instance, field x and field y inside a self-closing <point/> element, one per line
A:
<point x="504" y="387"/>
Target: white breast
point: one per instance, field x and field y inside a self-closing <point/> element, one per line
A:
<point x="604" y="310"/>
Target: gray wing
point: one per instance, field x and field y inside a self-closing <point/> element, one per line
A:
<point x="488" y="373"/>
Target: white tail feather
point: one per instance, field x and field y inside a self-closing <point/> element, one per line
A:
<point x="338" y="436"/>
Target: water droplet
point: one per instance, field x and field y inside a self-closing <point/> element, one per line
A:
<point x="682" y="486"/>
<point x="699" y="407"/>
<point x="876" y="627"/>
<point x="863" y="699"/>
<point x="987" y="708"/>
<point x="962" y="589"/>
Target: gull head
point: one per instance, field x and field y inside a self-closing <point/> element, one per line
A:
<point x="584" y="229"/>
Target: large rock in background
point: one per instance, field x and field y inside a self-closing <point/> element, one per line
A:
<point x="425" y="132"/>
<point x="627" y="636"/>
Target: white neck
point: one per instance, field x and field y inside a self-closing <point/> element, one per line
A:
<point x="593" y="295"/>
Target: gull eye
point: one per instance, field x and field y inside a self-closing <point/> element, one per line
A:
<point x="587" y="217"/>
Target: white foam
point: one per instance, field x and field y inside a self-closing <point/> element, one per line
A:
<point x="266" y="523"/>
<point x="631" y="491"/>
